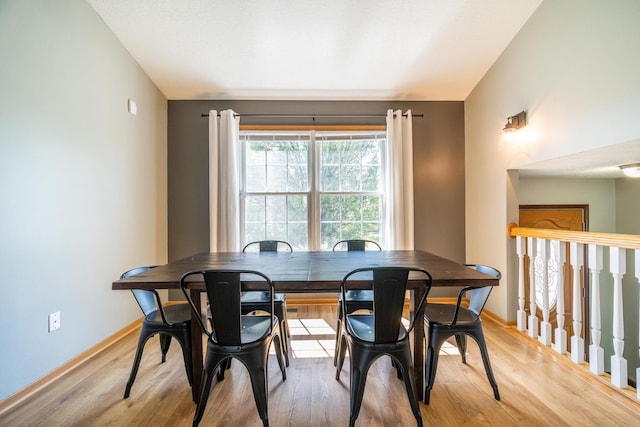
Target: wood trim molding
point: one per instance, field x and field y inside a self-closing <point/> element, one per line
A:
<point x="497" y="319"/>
<point x="628" y="241"/>
<point x="24" y="394"/>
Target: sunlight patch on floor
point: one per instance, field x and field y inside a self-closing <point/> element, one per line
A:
<point x="310" y="327"/>
<point x="306" y="349"/>
<point x="302" y="343"/>
<point x="449" y="349"/>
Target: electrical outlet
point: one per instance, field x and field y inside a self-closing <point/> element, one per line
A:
<point x="54" y="321"/>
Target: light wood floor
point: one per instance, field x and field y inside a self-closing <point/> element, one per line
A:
<point x="536" y="390"/>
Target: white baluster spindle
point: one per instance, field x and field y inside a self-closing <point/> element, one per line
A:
<point x="596" y="352"/>
<point x="532" y="246"/>
<point x="522" y="314"/>
<point x="577" y="342"/>
<point x="545" y="326"/>
<point x="560" y="253"/>
<point x="618" y="261"/>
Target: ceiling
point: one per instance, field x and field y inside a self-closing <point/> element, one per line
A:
<point x="598" y="163"/>
<point x="410" y="50"/>
<point x="330" y="49"/>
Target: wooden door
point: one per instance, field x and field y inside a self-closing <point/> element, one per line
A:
<point x="559" y="217"/>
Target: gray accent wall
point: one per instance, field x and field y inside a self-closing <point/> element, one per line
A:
<point x="438" y="165"/>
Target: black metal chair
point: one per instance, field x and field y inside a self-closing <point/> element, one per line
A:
<point x="235" y="335"/>
<point x="356" y="245"/>
<point x="372" y="335"/>
<point x="443" y="321"/>
<point x="166" y="321"/>
<point x="256" y="301"/>
<point x="357" y="299"/>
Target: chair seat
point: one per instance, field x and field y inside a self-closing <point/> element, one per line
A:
<point x="361" y="326"/>
<point x="255" y="328"/>
<point x="177" y="314"/>
<point x="443" y="314"/>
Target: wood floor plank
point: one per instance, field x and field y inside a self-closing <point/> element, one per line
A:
<point x="536" y="390"/>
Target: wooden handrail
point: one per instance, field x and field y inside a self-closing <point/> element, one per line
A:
<point x="627" y="241"/>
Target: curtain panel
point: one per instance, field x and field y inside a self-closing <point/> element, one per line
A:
<point x="224" y="181"/>
<point x="399" y="206"/>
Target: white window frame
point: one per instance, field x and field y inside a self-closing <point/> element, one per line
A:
<point x="314" y="192"/>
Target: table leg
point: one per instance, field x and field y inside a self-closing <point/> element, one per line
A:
<point x="196" y="346"/>
<point x="418" y="342"/>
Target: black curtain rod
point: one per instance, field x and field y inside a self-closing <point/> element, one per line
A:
<point x="314" y="115"/>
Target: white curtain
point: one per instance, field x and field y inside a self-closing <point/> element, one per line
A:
<point x="224" y="181"/>
<point x="399" y="206"/>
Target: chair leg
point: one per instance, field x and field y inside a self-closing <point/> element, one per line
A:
<point x="461" y="341"/>
<point x="342" y="349"/>
<point x="186" y="355"/>
<point x="281" y="363"/>
<point x="336" y="351"/>
<point x="255" y="363"/>
<point x="430" y="370"/>
<point x="165" y="342"/>
<point x="479" y="337"/>
<point x="338" y="334"/>
<point x="284" y="341"/>
<point x="285" y="319"/>
<point x="144" y="336"/>
<point x="360" y="363"/>
<point x="403" y="363"/>
<point x="205" y="388"/>
<point x="224" y="366"/>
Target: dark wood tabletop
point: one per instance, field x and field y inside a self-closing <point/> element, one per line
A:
<point x="309" y="272"/>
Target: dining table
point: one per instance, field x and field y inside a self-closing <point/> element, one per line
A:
<point x="309" y="272"/>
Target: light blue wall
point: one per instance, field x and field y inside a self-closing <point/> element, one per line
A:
<point x="573" y="70"/>
<point x="82" y="183"/>
<point x="599" y="194"/>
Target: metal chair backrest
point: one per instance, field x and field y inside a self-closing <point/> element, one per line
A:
<point x="268" y="246"/>
<point x="389" y="286"/>
<point x="356" y="245"/>
<point x="479" y="296"/>
<point x="224" y="290"/>
<point x="148" y="300"/>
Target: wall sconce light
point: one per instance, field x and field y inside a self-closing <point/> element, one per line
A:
<point x="515" y="123"/>
<point x="632" y="170"/>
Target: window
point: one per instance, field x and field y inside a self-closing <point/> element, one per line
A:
<point x="312" y="188"/>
